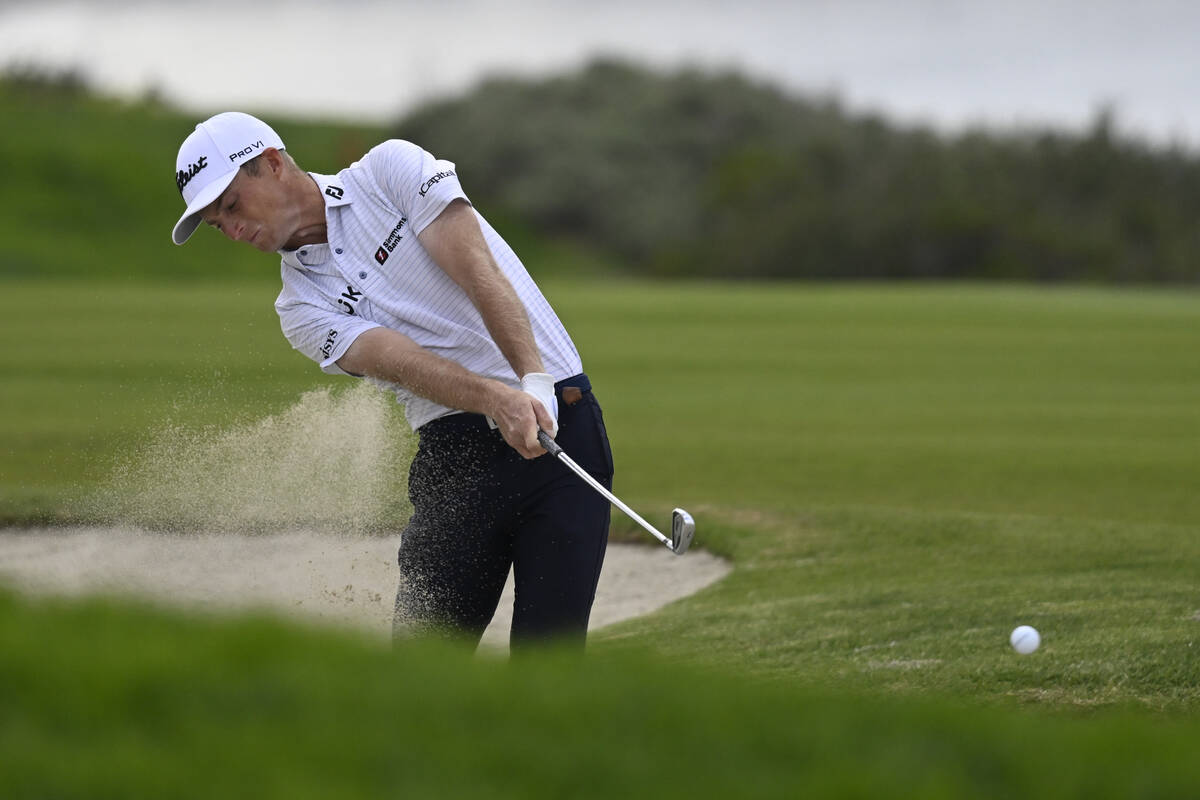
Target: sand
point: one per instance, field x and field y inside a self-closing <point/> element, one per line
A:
<point x="305" y="575"/>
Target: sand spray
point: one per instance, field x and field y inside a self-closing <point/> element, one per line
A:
<point x="335" y="461"/>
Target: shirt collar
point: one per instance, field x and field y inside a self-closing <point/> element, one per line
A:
<point x="332" y="190"/>
<point x="335" y="196"/>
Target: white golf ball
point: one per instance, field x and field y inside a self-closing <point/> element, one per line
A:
<point x="1025" y="639"/>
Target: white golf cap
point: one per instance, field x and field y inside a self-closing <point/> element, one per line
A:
<point x="209" y="159"/>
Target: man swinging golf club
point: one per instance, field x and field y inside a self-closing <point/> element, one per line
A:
<point x="389" y="273"/>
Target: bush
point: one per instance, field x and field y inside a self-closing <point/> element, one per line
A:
<point x="712" y="174"/>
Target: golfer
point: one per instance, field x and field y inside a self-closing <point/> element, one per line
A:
<point x="390" y="274"/>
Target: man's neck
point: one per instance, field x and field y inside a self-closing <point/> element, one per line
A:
<point x="312" y="229"/>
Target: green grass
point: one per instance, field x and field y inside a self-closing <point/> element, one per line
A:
<point x="903" y="474"/>
<point x="89" y="188"/>
<point x="1059" y="402"/>
<point x="1068" y="403"/>
<point x="167" y="706"/>
<point x="923" y="602"/>
<point x="89" y="192"/>
<point x="95" y="367"/>
<point x="900" y="475"/>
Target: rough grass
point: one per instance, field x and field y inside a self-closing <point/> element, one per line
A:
<point x="105" y="700"/>
<point x="923" y="603"/>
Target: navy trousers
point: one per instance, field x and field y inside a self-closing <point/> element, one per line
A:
<point x="479" y="508"/>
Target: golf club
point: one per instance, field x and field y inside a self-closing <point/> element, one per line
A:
<point x="683" y="527"/>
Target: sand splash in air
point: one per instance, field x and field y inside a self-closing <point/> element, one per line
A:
<point x="334" y="461"/>
<point x="298" y="512"/>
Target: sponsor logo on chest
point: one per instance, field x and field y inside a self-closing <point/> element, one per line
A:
<point x="348" y="300"/>
<point x="392" y="240"/>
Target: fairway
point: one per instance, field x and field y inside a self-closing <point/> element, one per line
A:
<point x="899" y="476"/>
<point x="1070" y="402"/>
<point x="1060" y="402"/>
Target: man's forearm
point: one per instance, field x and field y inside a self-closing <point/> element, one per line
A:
<point x="456" y="243"/>
<point x="389" y="356"/>
<point x="508" y="323"/>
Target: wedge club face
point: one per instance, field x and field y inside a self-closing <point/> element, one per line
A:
<point x="683" y="528"/>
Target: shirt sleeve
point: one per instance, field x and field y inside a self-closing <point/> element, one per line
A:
<point x="420" y="185"/>
<point x="321" y="334"/>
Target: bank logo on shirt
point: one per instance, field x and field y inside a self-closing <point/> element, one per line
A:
<point x="390" y="243"/>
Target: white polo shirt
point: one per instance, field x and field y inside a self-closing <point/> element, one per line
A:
<point x="373" y="272"/>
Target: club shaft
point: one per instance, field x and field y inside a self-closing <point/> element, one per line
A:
<point x="612" y="498"/>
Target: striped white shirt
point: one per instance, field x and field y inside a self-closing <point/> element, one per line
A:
<point x="373" y="272"/>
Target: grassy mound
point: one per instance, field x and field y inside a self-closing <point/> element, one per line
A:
<point x="103" y="699"/>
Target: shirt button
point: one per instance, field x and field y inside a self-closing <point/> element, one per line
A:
<point x="338" y="251"/>
<point x="303" y="252"/>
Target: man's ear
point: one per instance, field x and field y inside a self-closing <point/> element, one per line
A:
<point x="274" y="160"/>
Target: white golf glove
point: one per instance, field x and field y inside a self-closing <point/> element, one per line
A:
<point x="541" y="386"/>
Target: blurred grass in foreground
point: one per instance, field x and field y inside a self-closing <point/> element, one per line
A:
<point x="110" y="700"/>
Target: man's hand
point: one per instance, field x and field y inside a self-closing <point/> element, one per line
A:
<point x="519" y="415"/>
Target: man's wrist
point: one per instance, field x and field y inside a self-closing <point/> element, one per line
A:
<point x="494" y="394"/>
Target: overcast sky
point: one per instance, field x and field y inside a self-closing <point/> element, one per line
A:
<point x="937" y="61"/>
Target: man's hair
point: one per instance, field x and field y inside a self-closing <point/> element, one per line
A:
<point x="251" y="167"/>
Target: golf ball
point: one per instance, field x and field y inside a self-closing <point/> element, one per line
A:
<point x="1025" y="639"/>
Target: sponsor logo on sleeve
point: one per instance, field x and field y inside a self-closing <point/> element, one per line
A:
<point x="330" y="340"/>
<point x="184" y="176"/>
<point x="429" y="184"/>
<point x="335" y="192"/>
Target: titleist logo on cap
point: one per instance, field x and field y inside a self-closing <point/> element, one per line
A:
<point x="183" y="177"/>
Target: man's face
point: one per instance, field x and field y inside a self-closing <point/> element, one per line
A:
<point x="251" y="210"/>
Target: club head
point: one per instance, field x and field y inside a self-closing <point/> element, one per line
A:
<point x="683" y="528"/>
